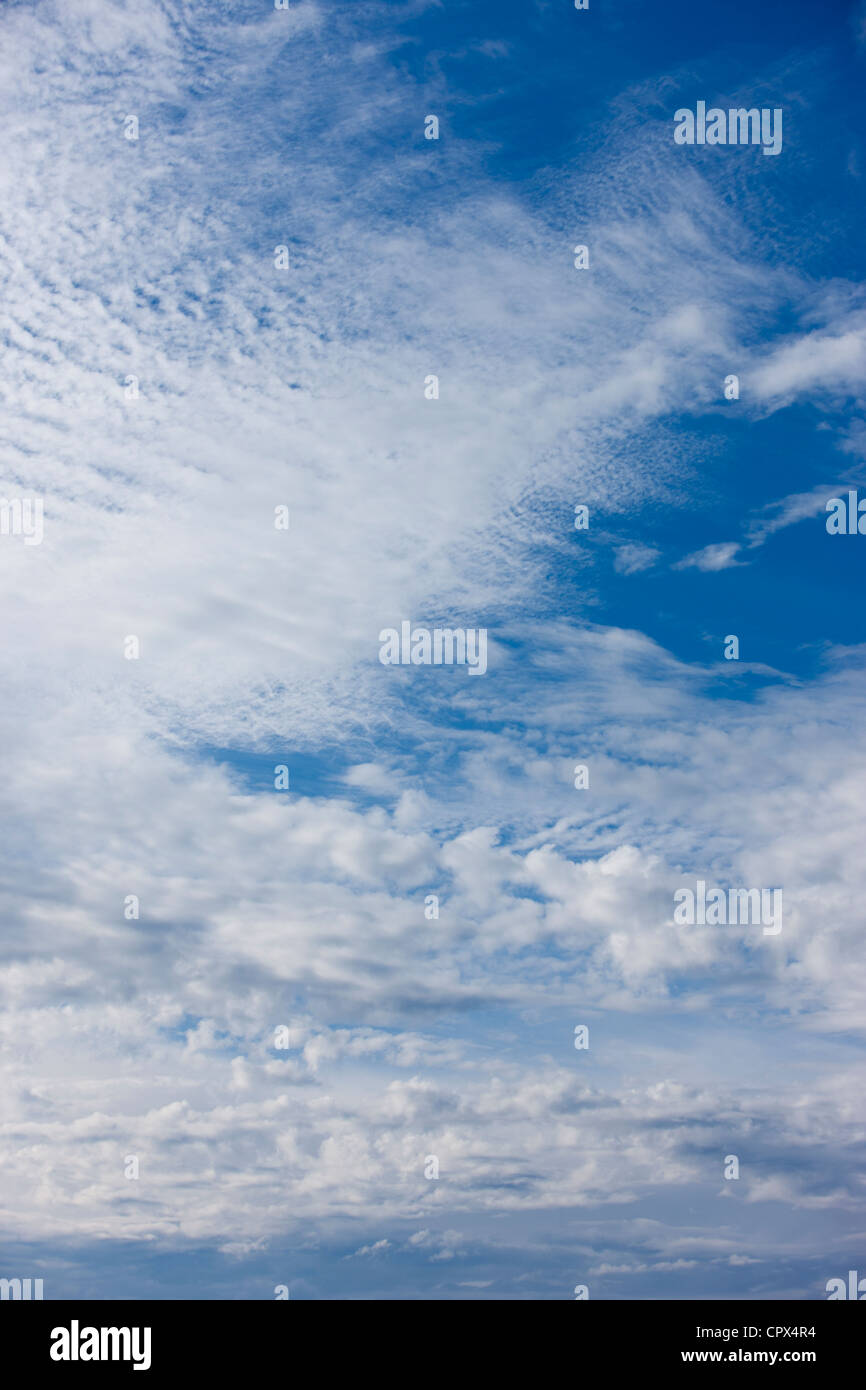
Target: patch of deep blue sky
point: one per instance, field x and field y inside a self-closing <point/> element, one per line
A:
<point x="545" y="97"/>
<point x="548" y="96"/>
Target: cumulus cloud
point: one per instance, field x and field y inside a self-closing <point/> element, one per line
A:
<point x="721" y="556"/>
<point x="633" y="559"/>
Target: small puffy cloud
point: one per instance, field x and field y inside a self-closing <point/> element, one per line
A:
<point x="378" y="1249"/>
<point x="634" y="558"/>
<point x="721" y="556"/>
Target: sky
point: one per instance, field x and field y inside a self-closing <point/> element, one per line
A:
<point x="170" y="914"/>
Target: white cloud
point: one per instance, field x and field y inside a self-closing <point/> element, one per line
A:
<point x="634" y="559"/>
<point x="816" y="361"/>
<point x="721" y="556"/>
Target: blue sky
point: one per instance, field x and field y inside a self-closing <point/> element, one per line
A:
<point x="153" y="260"/>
